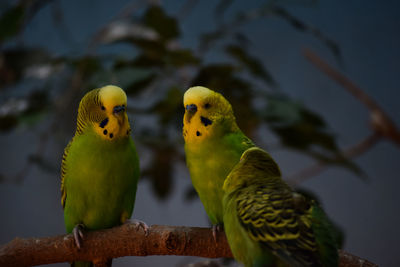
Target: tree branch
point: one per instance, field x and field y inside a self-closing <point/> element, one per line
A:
<point x="380" y="120"/>
<point x="127" y="240"/>
<point x="381" y="123"/>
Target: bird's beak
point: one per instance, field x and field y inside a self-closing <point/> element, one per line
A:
<point x="192" y="109"/>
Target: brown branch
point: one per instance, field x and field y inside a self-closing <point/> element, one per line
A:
<point x="381" y="124"/>
<point x="380" y="120"/>
<point x="127" y="240"/>
<point x="349" y="260"/>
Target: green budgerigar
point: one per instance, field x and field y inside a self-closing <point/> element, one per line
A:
<point x="265" y="219"/>
<point x="213" y="145"/>
<point x="100" y="166"/>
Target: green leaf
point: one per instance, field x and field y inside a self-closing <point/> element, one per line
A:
<point x="340" y="160"/>
<point x="218" y="77"/>
<point x="303" y="130"/>
<point x="10" y="22"/>
<point x="87" y="66"/>
<point x="252" y="64"/>
<point x="166" y="26"/>
<point x="181" y="57"/>
<point x="297" y="126"/>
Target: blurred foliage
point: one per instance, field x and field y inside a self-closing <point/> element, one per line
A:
<point x="27" y="110"/>
<point x="253" y="65"/>
<point x="157" y="19"/>
<point x="20" y="63"/>
<point x="297" y="126"/>
<point x="162" y="68"/>
<point x="10" y="22"/>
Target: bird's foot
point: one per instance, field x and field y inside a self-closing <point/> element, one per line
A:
<point x="140" y="224"/>
<point x="215" y="229"/>
<point x="78" y="234"/>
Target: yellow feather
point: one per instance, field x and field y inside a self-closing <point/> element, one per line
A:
<point x="111" y="96"/>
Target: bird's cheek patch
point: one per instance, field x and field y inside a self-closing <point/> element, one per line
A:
<point x="108" y="128"/>
<point x="105" y="132"/>
<point x="205" y="121"/>
<point x="103" y="123"/>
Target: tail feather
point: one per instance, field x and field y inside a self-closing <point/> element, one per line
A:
<point x="325" y="237"/>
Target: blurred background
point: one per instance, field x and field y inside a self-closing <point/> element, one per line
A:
<point x="254" y="52"/>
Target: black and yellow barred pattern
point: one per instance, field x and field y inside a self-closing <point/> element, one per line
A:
<point x="63" y="172"/>
<point x="268" y="212"/>
<point x="89" y="112"/>
<point x="282" y="221"/>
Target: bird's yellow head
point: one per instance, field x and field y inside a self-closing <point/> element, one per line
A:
<point x="207" y="113"/>
<point x="104" y="110"/>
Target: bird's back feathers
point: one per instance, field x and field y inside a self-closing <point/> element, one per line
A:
<point x="285" y="223"/>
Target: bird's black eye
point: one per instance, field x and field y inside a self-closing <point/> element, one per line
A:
<point x="192" y="108"/>
<point x="103" y="108"/>
<point x="118" y="109"/>
<point x="207" y="105"/>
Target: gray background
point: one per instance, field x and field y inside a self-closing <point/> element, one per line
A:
<point x="368" y="33"/>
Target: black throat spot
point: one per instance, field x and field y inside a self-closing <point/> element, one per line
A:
<point x="205" y="121"/>
<point x="103" y="123"/>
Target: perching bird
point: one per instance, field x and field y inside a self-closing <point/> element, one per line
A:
<point x="100" y="166"/>
<point x="265" y="220"/>
<point x="213" y="145"/>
